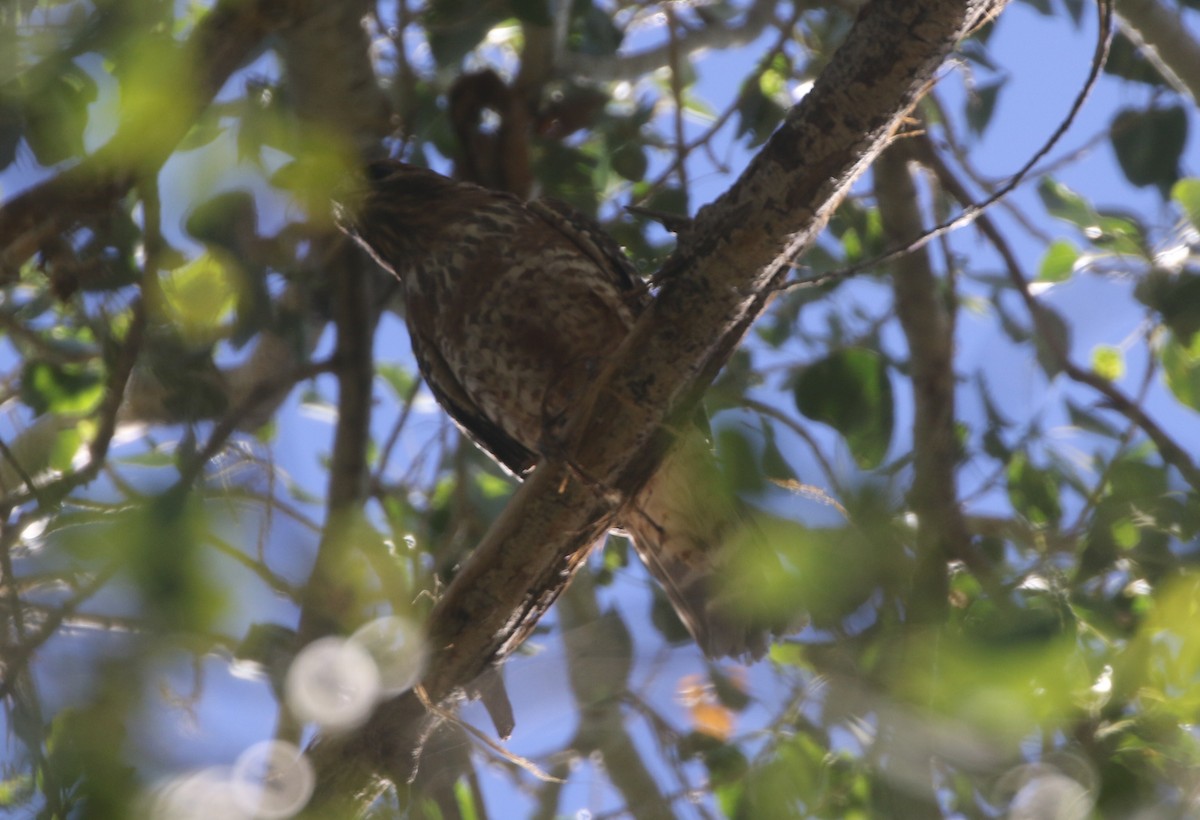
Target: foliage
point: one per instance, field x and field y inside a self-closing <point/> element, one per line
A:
<point x="174" y="461"/>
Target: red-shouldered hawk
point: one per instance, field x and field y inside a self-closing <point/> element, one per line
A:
<point x="512" y="307"/>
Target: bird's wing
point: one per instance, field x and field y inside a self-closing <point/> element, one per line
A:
<point x="595" y="243"/>
<point x="444" y="385"/>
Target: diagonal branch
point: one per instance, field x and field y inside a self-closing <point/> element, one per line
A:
<point x="713" y="288"/>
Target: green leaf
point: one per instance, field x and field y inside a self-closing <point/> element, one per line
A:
<point x="206" y="129"/>
<point x="981" y="104"/>
<point x="464" y="797"/>
<point x="1182" y="367"/>
<point x="630" y="161"/>
<point x="1108" y="362"/>
<point x="1060" y="201"/>
<point x="851" y="392"/>
<point x="1175" y="297"/>
<point x="1058" y="262"/>
<point x="1033" y="491"/>
<point x="1053" y="336"/>
<point x="758" y="114"/>
<point x="56" y="113"/>
<point x="1120" y="233"/>
<point x="63" y="389"/>
<point x="1186" y="192"/>
<point x="1149" y="144"/>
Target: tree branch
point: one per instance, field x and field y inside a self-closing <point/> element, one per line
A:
<point x="928" y="329"/>
<point x="1167" y="42"/>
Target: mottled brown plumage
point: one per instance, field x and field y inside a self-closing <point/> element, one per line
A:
<point x="512" y="307"/>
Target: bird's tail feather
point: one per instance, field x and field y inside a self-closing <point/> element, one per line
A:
<point x="684" y="525"/>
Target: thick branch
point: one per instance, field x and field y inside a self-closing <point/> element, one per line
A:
<point x="713" y="288"/>
<point x="941" y="533"/>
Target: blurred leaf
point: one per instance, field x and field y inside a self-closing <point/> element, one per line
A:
<point x="1120" y="233"/>
<point x="399" y="379"/>
<point x="206" y="129"/>
<point x="55" y="110"/>
<point x="1058" y="263"/>
<point x="228" y="219"/>
<point x="568" y="174"/>
<point x="630" y="161"/>
<point x="1033" y="492"/>
<point x="850" y="391"/>
<point x="200" y="296"/>
<point x="739" y="460"/>
<point x="1108" y="362"/>
<point x="593" y="30"/>
<point x="532" y="11"/>
<point x="165" y="558"/>
<point x="1186" y="192"/>
<point x="981" y="104"/>
<point x="464" y="798"/>
<point x="16" y="790"/>
<point x="156" y="78"/>
<point x="65" y="389"/>
<point x="1053" y="341"/>
<point x="455" y="27"/>
<point x="1060" y="201"/>
<point x="1092" y="422"/>
<point x="1175" y="297"/>
<point x="1126" y="60"/>
<point x="758" y="114"/>
<point x="1181" y="364"/>
<point x="1149" y="144"/>
<point x="669" y="199"/>
<point x="48" y="443"/>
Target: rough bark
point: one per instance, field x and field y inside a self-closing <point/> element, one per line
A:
<point x="718" y="281"/>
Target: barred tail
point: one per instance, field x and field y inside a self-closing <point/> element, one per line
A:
<point x="682" y="525"/>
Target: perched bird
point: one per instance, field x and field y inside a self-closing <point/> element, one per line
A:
<point x="512" y="308"/>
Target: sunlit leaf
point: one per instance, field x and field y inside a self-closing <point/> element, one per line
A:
<point x="1058" y="262"/>
<point x="1060" y="201"/>
<point x="1108" y="361"/>
<point x="61" y="389"/>
<point x="1186" y="192"/>
<point x="200" y="297"/>
<point x="464" y="798"/>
